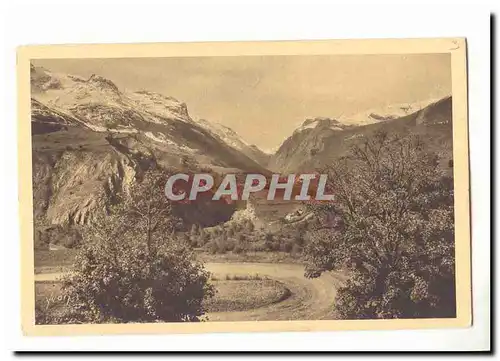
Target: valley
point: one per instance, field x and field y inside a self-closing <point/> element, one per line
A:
<point x="92" y="143"/>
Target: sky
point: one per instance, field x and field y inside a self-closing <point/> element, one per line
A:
<point x="265" y="98"/>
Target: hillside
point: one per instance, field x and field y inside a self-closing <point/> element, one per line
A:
<point x="233" y="139"/>
<point x="321" y="140"/>
<point x="90" y="140"/>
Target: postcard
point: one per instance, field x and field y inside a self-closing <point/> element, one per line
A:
<point x="244" y="186"/>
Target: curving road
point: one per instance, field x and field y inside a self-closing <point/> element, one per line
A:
<point x="311" y="299"/>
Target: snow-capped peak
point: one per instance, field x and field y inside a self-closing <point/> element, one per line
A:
<point x="98" y="103"/>
<point x="323" y="122"/>
<point x="386" y="112"/>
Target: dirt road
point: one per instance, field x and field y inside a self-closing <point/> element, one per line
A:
<point x="311" y="299"/>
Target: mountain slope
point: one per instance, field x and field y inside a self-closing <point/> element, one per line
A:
<point x="317" y="143"/>
<point x="306" y="142"/>
<point x="97" y="104"/>
<point x="90" y="141"/>
<point x="231" y="138"/>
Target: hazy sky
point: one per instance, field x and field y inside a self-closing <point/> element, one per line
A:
<point x="264" y="98"/>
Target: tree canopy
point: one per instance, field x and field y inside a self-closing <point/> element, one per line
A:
<point x="390" y="228"/>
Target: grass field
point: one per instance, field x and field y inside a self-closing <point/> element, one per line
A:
<point x="232" y="294"/>
<point x="54" y="261"/>
<point x="60" y="260"/>
<point x="242" y="295"/>
<point x="249" y="257"/>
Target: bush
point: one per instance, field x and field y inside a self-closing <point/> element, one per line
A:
<point x="212" y="247"/>
<point x="131" y="270"/>
<point x="239" y="248"/>
<point x="258" y="247"/>
<point x="123" y="283"/>
<point x="225" y="245"/>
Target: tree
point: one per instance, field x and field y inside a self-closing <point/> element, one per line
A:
<point x="391" y="228"/>
<point x="131" y="270"/>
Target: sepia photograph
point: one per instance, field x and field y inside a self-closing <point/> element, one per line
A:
<point x="318" y="185"/>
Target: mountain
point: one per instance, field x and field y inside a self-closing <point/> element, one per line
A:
<point x="90" y="140"/>
<point x="233" y="139"/>
<point x="305" y="142"/>
<point x="98" y="105"/>
<point x="386" y="112"/>
<point x="318" y="141"/>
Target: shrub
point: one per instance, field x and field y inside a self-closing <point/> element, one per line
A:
<point x="122" y="283"/>
<point x="212" y="247"/>
<point x="225" y="245"/>
<point x="130" y="270"/>
<point x="239" y="248"/>
<point x="259" y="247"/>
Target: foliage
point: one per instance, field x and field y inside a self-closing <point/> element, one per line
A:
<point x="131" y="269"/>
<point x="68" y="236"/>
<point x="242" y="237"/>
<point x="391" y="227"/>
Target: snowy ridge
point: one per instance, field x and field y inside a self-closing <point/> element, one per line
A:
<point x="62" y="100"/>
<point x="370" y="116"/>
<point x="99" y="104"/>
<point x="323" y="122"/>
<point x="387" y="112"/>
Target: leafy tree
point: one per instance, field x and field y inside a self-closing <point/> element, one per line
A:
<point x="390" y="228"/>
<point x="131" y="270"/>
